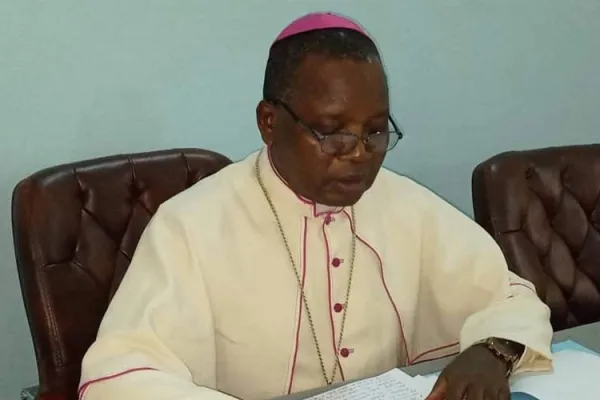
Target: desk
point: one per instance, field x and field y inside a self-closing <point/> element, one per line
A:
<point x="586" y="335"/>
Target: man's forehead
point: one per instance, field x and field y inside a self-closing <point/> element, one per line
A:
<point x="334" y="83"/>
<point x="317" y="21"/>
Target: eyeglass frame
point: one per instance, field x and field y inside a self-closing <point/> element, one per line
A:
<point x="321" y="137"/>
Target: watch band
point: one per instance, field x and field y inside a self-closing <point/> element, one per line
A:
<point x="503" y="349"/>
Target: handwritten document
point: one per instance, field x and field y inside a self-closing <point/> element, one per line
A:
<point x="392" y="385"/>
<point x="574" y="376"/>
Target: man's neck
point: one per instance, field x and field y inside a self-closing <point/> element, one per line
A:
<point x="319" y="208"/>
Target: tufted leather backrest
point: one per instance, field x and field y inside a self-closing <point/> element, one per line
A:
<point x="75" y="229"/>
<point x="543" y="208"/>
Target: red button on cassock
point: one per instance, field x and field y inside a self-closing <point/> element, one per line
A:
<point x="344" y="352"/>
<point x="338" y="307"/>
<point x="336" y="262"/>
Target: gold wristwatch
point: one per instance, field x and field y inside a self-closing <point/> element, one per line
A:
<point x="506" y="350"/>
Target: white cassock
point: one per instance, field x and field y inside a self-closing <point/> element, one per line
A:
<point x="211" y="303"/>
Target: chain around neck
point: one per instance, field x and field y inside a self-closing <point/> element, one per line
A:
<point x="336" y="361"/>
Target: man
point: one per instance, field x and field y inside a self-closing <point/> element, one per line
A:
<point x="306" y="264"/>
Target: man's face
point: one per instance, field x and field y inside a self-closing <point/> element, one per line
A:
<point x="329" y="96"/>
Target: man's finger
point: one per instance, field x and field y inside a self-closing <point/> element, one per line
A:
<point x="460" y="391"/>
<point x="502" y="394"/>
<point x="439" y="389"/>
<point x="476" y="392"/>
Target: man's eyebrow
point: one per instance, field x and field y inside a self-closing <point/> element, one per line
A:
<point x="337" y="114"/>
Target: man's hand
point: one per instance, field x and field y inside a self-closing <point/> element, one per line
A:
<point x="476" y="374"/>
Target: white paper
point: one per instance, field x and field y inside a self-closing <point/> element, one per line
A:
<point x="575" y="376"/>
<point x="393" y="385"/>
<point x="424" y="384"/>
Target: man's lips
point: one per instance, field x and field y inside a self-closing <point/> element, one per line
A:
<point x="351" y="179"/>
<point x="351" y="183"/>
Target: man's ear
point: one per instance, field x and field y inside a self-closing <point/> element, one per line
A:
<point x="266" y="118"/>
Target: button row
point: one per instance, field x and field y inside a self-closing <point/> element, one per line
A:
<point x="338" y="307"/>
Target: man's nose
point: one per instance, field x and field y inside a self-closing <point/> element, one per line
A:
<point x="359" y="152"/>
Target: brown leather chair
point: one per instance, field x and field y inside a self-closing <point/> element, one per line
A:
<point x="543" y="208"/>
<point x="75" y="229"/>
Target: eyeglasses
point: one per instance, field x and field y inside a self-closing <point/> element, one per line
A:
<point x="343" y="143"/>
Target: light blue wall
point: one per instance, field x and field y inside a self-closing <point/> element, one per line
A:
<point x="80" y="79"/>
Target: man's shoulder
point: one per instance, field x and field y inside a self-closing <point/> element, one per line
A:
<point x="398" y="187"/>
<point x="405" y="197"/>
<point x="409" y="199"/>
<point x="211" y="194"/>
